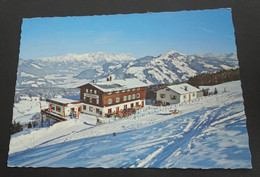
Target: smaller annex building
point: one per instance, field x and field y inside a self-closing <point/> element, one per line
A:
<point x="175" y="94"/>
<point x="64" y="107"/>
<point x="112" y="96"/>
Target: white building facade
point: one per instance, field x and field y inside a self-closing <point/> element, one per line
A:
<point x="64" y="107"/>
<point x="175" y="94"/>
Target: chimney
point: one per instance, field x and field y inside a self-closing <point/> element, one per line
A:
<point x="107" y="79"/>
<point x="110" y="78"/>
<point x="94" y="81"/>
<point x="185" y="88"/>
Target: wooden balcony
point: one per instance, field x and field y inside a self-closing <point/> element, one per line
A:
<point x="52" y="115"/>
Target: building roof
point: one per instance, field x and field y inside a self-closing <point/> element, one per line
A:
<point x="180" y="88"/>
<point x="116" y="85"/>
<point x="63" y="100"/>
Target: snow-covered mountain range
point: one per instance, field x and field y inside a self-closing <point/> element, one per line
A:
<point x="74" y="69"/>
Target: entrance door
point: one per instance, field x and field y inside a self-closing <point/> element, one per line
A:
<point x="79" y="109"/>
<point x="109" y="111"/>
<point x="117" y="109"/>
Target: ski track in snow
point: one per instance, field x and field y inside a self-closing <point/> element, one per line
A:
<point x="207" y="135"/>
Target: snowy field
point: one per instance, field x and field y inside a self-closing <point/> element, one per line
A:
<point x="207" y="133"/>
<point x="26" y="108"/>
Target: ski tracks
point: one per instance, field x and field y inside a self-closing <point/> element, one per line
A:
<point x="168" y="154"/>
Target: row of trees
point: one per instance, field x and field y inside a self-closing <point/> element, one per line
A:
<point x="206" y="92"/>
<point x="218" y="77"/>
<point x="17" y="126"/>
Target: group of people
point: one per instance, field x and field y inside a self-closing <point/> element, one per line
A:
<point x="123" y="113"/>
<point x="74" y="114"/>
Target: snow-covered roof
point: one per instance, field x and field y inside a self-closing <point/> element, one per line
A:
<point x="180" y="88"/>
<point x="116" y="85"/>
<point x="62" y="100"/>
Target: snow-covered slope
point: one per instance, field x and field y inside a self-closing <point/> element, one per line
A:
<point x="76" y="69"/>
<point x="208" y="133"/>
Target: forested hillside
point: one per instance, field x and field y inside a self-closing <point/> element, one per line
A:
<point x="217" y="77"/>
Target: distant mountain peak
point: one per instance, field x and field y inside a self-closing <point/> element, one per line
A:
<point x="90" y="57"/>
<point x="170" y="53"/>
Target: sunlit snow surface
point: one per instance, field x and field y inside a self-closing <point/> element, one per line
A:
<point x="208" y="133"/>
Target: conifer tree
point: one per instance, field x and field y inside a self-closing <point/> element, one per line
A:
<point x="16" y="127"/>
<point x="215" y="91"/>
<point x="29" y="125"/>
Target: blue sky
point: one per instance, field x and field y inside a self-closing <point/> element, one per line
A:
<point x="189" y="32"/>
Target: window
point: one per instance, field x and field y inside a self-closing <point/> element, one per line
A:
<point x="109" y="93"/>
<point x="137" y="104"/>
<point x="138" y="95"/>
<point x="90" y="100"/>
<point x="124" y="98"/>
<point x="133" y="89"/>
<point x="90" y="109"/>
<point x="138" y="88"/>
<point x="193" y="94"/>
<point x="133" y="96"/>
<point x="129" y="97"/>
<point x="109" y="101"/>
<point x="173" y="97"/>
<point x="52" y="107"/>
<point x="132" y="105"/>
<point x="84" y="107"/>
<point x="128" y="90"/>
<point x="162" y="95"/>
<point x="58" y="109"/>
<point x="97" y="111"/>
<point x="97" y="101"/>
<point x="117" y="99"/>
<point x="117" y="91"/>
<point x="86" y="90"/>
<point x="95" y="91"/>
<point x="90" y="91"/>
<point x="123" y="90"/>
<point x="184" y="96"/>
<point x="125" y="106"/>
<point x="109" y="111"/>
